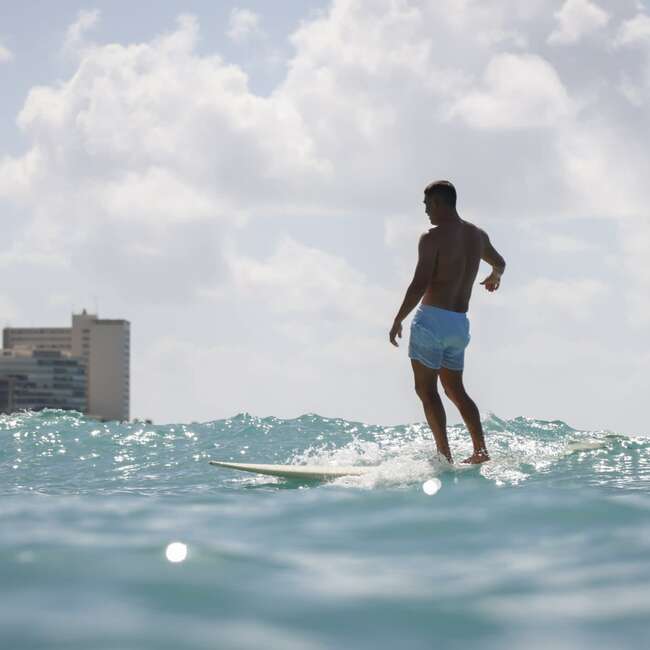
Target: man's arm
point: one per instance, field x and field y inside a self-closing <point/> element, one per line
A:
<point x="427" y="252"/>
<point x="498" y="264"/>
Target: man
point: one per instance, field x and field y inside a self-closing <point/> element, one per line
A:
<point x="448" y="260"/>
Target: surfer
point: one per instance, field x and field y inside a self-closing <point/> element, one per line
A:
<point x="448" y="260"/>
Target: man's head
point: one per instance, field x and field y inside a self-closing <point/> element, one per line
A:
<point x="440" y="201"/>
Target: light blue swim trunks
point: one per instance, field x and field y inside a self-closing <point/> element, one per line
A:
<point x="439" y="337"/>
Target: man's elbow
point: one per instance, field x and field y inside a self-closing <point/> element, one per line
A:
<point x="495" y="261"/>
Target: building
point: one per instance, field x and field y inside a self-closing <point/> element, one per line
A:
<point x="39" y="338"/>
<point x="102" y="346"/>
<point x="6" y="394"/>
<point x="108" y="355"/>
<point x="38" y="379"/>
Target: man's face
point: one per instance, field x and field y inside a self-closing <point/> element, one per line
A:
<point x="430" y="208"/>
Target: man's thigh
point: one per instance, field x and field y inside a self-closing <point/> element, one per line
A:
<point x="423" y="375"/>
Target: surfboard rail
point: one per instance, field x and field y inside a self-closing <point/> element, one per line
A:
<point x="294" y="471"/>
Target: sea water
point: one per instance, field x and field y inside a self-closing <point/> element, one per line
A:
<point x="122" y="536"/>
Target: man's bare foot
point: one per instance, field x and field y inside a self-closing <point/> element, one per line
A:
<point x="441" y="458"/>
<point x="477" y="458"/>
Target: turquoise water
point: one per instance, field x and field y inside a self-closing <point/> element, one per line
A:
<point x="548" y="545"/>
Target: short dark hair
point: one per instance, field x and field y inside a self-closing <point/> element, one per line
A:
<point x="443" y="190"/>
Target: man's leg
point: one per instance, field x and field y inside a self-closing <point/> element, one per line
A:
<point x="452" y="383"/>
<point x="426" y="386"/>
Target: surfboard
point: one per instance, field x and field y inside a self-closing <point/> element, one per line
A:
<point x="319" y="472"/>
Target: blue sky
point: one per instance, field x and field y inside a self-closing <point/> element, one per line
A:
<point x="245" y="186"/>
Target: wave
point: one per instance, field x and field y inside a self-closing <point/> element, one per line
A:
<point x="64" y="451"/>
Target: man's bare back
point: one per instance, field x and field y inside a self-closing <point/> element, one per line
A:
<point x="448" y="261"/>
<point x="457" y="249"/>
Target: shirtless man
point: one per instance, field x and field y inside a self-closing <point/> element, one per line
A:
<point x="448" y="261"/>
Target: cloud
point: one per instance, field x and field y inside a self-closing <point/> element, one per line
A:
<point x="283" y="378"/>
<point x="301" y="280"/>
<point x="574" y="297"/>
<point x="617" y="192"/>
<point x="576" y="19"/>
<point x="520" y="91"/>
<point x="634" y="32"/>
<point x="634" y="35"/>
<point x="155" y="193"/>
<point x="133" y="117"/>
<point x="547" y="237"/>
<point x="402" y="230"/>
<point x="158" y="135"/>
<point x="191" y="371"/>
<point x="566" y="244"/>
<point x="564" y="352"/>
<point x="6" y="54"/>
<point x="586" y="153"/>
<point x="351" y="59"/>
<point x="17" y="174"/>
<point x="145" y="121"/>
<point x="144" y="137"/>
<point x="635" y="243"/>
<point x="75" y="34"/>
<point x="244" y="25"/>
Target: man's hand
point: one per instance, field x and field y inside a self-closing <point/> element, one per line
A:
<point x="395" y="330"/>
<point x="492" y="281"/>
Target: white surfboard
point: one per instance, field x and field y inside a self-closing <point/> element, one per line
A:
<point x="295" y="471"/>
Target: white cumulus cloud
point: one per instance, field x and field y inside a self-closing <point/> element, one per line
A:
<point x="519" y="91"/>
<point x="635" y="31"/>
<point x="297" y="278"/>
<point x="75" y="34"/>
<point x="575" y="19"/>
<point x="148" y="137"/>
<point x="244" y="25"/>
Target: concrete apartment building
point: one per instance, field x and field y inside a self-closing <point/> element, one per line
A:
<point x="100" y="346"/>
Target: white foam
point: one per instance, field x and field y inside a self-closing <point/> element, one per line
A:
<point x="403" y="456"/>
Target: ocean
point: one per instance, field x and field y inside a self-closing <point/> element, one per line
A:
<point x="122" y="536"/>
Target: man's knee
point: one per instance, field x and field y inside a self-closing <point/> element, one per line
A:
<point x="454" y="391"/>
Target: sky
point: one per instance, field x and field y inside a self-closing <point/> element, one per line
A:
<point x="244" y="185"/>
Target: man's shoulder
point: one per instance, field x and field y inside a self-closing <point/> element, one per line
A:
<point x="473" y="226"/>
<point x="428" y="243"/>
<point x="437" y="233"/>
<point x="429" y="237"/>
<point x="478" y="232"/>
